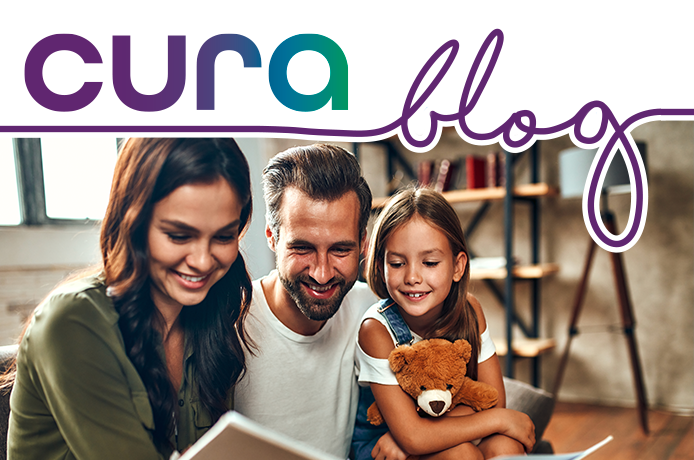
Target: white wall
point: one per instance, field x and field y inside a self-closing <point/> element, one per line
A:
<point x="33" y="261"/>
<point x="258" y="256"/>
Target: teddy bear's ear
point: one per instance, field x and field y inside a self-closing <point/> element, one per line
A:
<point x="463" y="348"/>
<point x="398" y="357"/>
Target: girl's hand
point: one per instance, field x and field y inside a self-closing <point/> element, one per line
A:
<point x="387" y="449"/>
<point x="518" y="426"/>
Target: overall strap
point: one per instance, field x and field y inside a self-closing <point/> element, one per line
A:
<point x="397" y="325"/>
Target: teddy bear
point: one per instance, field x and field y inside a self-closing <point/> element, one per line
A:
<point x="433" y="372"/>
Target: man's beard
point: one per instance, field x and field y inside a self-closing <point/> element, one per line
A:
<point x="312" y="308"/>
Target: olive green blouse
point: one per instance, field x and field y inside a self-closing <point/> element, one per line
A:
<point x="78" y="396"/>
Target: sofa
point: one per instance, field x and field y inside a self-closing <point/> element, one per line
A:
<point x="7" y="353"/>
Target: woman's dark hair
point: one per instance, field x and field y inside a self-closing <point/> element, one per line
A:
<point x="147" y="171"/>
<point x="458" y="319"/>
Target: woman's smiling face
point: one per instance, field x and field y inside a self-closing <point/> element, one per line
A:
<point x="419" y="268"/>
<point x="193" y="239"/>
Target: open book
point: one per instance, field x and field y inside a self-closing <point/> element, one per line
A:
<point x="573" y="456"/>
<point x="235" y="437"/>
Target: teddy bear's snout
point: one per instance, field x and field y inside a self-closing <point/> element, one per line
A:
<point x="437" y="406"/>
<point x="434" y="402"/>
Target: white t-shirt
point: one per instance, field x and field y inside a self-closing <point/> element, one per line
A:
<point x="377" y="370"/>
<point x="304" y="386"/>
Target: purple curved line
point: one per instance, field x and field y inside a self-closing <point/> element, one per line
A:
<point x="263" y="129"/>
<point x="203" y="129"/>
<point x="592" y="191"/>
<point x="410" y="109"/>
<point x="466" y="106"/>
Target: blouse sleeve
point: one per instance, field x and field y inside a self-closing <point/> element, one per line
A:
<point x="71" y="384"/>
<point x="488" y="348"/>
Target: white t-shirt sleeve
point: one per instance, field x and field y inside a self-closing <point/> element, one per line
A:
<point x="374" y="370"/>
<point x="487" y="349"/>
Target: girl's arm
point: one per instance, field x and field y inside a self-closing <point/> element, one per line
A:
<point x="488" y="371"/>
<point x="420" y="436"/>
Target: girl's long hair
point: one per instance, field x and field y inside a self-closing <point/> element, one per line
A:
<point x="148" y="170"/>
<point x="458" y="319"/>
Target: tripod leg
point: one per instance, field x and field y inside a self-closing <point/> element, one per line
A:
<point x="575" y="312"/>
<point x="629" y="329"/>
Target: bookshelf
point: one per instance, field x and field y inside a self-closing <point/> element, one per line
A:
<point x="525" y="348"/>
<point x="489" y="194"/>
<point x="519" y="272"/>
<point x="529" y="344"/>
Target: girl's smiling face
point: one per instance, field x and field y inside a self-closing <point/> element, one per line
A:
<point x="419" y="268"/>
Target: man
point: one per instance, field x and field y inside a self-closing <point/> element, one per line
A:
<point x="305" y="314"/>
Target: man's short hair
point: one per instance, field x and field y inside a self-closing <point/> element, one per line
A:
<point x="323" y="172"/>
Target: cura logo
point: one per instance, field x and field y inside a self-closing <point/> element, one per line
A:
<point x="335" y="90"/>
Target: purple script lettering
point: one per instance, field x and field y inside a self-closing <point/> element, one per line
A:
<point x="525" y="121"/>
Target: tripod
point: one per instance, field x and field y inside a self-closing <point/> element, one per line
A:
<point x="627" y="315"/>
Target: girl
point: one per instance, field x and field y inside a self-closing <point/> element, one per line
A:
<point x="418" y="261"/>
<point x="138" y="359"/>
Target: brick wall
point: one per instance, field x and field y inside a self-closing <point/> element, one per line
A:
<point x="21" y="289"/>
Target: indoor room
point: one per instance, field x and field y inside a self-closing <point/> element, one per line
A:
<point x="607" y="340"/>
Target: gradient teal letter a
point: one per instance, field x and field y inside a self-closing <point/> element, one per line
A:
<point x="336" y="89"/>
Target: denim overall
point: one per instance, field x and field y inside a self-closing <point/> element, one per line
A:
<point x="365" y="434"/>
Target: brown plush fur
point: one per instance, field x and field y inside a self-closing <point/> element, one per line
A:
<point x="437" y="364"/>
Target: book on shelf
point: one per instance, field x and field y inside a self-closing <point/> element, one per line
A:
<point x="447" y="172"/>
<point x="425" y="170"/>
<point x="501" y="169"/>
<point x="571" y="456"/>
<point x="492" y="170"/>
<point x="459" y="180"/>
<point x="235" y="437"/>
<point x="496" y="169"/>
<point x="438" y="174"/>
<point x="475" y="171"/>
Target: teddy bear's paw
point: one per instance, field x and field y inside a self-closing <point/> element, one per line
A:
<point x="373" y="415"/>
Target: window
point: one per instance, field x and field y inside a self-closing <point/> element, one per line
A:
<point x="9" y="204"/>
<point x="77" y="176"/>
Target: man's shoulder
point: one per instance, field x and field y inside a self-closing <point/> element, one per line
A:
<point x="360" y="297"/>
<point x="361" y="289"/>
<point x="258" y="293"/>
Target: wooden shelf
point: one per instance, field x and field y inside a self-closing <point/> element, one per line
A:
<point x="488" y="194"/>
<point x="520" y="271"/>
<point x="526" y="348"/>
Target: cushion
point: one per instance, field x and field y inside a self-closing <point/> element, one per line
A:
<point x="7" y="353"/>
<point x="536" y="403"/>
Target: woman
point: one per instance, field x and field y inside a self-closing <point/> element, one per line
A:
<point x="138" y="360"/>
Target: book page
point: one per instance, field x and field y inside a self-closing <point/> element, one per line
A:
<point x="572" y="456"/>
